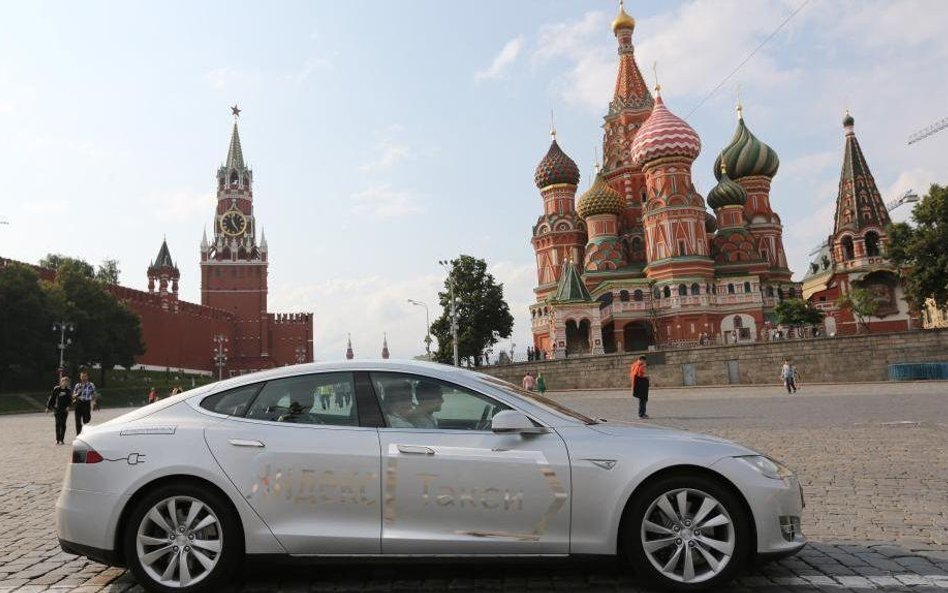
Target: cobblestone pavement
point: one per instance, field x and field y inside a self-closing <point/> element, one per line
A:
<point x="873" y="459"/>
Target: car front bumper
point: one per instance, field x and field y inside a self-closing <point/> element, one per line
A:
<point x="777" y="506"/>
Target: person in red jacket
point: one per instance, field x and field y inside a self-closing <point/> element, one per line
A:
<point x="638" y="374"/>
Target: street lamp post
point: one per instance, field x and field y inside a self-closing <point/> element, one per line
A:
<point x="454" y="313"/>
<point x="427" y="326"/>
<point x="220" y="354"/>
<point x="62" y="327"/>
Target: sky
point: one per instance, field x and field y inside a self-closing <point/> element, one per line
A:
<point x="385" y="136"/>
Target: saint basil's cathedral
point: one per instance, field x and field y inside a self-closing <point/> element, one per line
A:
<point x="637" y="260"/>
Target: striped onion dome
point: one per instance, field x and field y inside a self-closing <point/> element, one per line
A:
<point x="600" y="199"/>
<point x="664" y="134"/>
<point x="556" y="167"/>
<point x="726" y="192"/>
<point x="746" y="156"/>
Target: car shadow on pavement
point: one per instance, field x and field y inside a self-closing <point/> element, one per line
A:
<point x="819" y="567"/>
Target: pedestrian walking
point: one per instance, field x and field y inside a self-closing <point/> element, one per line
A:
<point x="152" y="395"/>
<point x="84" y="399"/>
<point x="529" y="383"/>
<point x="59" y="401"/>
<point x="541" y="384"/>
<point x="788" y="375"/>
<point x="638" y="374"/>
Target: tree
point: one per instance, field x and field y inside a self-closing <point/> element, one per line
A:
<point x="922" y="251"/>
<point x="797" y="312"/>
<point x="56" y="261"/>
<point x="483" y="315"/>
<point x="862" y="304"/>
<point x="108" y="272"/>
<point x="107" y="333"/>
<point x="27" y="346"/>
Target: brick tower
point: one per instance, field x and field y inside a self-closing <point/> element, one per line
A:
<point x="631" y="105"/>
<point x="164" y="272"/>
<point x="233" y="265"/>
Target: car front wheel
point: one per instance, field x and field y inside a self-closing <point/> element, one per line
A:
<point x="687" y="533"/>
<point x="181" y="538"/>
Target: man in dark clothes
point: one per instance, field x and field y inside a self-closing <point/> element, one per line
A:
<point x="58" y="404"/>
<point x="85" y="399"/>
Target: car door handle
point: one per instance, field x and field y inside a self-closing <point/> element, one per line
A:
<point x="246" y="443"/>
<point x="415" y="450"/>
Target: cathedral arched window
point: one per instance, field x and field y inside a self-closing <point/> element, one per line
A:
<point x="666" y="292"/>
<point x="849" y="252"/>
<point x="682" y="290"/>
<point x="770" y="291"/>
<point x="624" y="296"/>
<point x="234" y="179"/>
<point x="793" y="292"/>
<point x="656" y="294"/>
<point x="637" y="296"/>
<point x="747" y="287"/>
<point x="695" y="289"/>
<point x="730" y="289"/>
<point x="644" y="195"/>
<point x="738" y="322"/>
<point x="872" y="244"/>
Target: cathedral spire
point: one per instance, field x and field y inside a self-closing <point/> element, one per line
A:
<point x="631" y="92"/>
<point x="858" y="203"/>
<point x="349" y="353"/>
<point x="385" y="346"/>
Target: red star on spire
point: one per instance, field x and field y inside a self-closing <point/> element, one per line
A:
<point x="235" y="110"/>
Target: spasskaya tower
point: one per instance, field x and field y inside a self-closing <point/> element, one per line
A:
<point x="234" y="272"/>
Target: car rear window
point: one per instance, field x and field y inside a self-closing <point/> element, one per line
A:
<point x="233" y="402"/>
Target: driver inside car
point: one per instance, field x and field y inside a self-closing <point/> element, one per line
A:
<point x="398" y="404"/>
<point x="430" y="399"/>
<point x="300" y="405"/>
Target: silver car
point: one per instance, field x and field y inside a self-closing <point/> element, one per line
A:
<point x="396" y="459"/>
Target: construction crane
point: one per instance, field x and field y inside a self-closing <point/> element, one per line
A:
<point x="929" y="131"/>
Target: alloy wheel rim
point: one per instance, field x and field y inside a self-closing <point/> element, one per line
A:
<point x="688" y="535"/>
<point x="179" y="541"/>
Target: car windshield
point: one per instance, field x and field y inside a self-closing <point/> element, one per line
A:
<point x="544" y="402"/>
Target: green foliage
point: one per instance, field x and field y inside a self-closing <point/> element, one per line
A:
<point x="797" y="312"/>
<point x="26" y="317"/>
<point x="483" y="315"/>
<point x="922" y="250"/>
<point x="56" y="261"/>
<point x="108" y="271"/>
<point x="861" y="302"/>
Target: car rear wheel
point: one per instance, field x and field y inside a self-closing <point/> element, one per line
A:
<point x="687" y="533"/>
<point x="182" y="538"/>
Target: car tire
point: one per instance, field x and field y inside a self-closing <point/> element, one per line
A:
<point x="195" y="551"/>
<point x="712" y="533"/>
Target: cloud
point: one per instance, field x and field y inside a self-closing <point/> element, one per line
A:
<point x="502" y="61"/>
<point x="389" y="150"/>
<point x="384" y="201"/>
<point x="179" y="205"/>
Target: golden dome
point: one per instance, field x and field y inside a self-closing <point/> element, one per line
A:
<point x="622" y="20"/>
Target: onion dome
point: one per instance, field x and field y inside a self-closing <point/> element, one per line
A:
<point x="746" y="156"/>
<point x="710" y="223"/>
<point x="600" y="199"/>
<point x="726" y="192"/>
<point x="622" y="20"/>
<point x="848" y="121"/>
<point x="664" y="134"/>
<point x="556" y="167"/>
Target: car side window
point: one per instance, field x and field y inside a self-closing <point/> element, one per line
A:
<point x="232" y="402"/>
<point x="325" y="398"/>
<point x="411" y="401"/>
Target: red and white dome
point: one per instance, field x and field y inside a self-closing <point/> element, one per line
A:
<point x="664" y="134"/>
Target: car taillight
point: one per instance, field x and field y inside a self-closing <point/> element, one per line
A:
<point x="84" y="454"/>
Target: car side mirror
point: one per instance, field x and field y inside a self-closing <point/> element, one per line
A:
<point x="511" y="421"/>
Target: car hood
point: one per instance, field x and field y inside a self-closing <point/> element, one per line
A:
<point x="651" y="432"/>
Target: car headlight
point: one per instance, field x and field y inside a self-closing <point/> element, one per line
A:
<point x="767" y="466"/>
